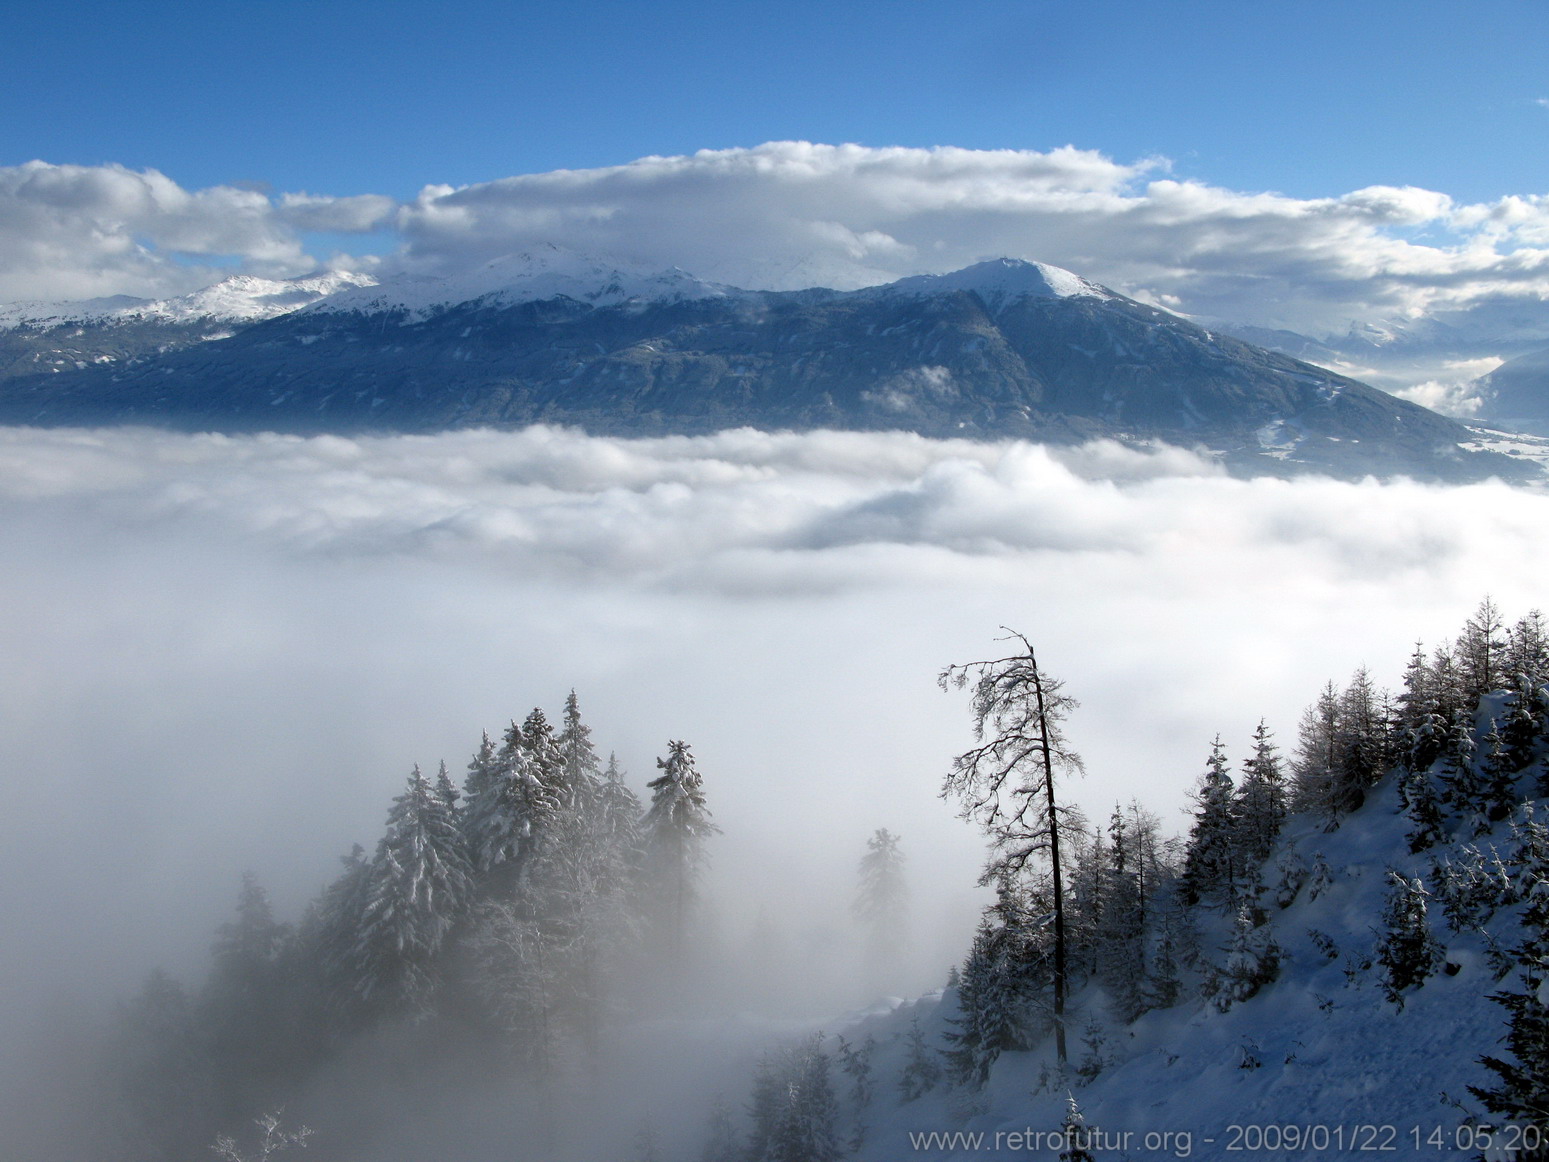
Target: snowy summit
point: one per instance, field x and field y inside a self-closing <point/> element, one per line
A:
<point x="546" y="272"/>
<point x="1003" y="280"/>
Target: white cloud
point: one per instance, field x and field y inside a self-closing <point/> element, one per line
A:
<point x="796" y="214"/>
<point x="226" y="652"/>
<point x="69" y="232"/>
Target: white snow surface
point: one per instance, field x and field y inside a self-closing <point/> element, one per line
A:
<point x="535" y="275"/>
<point x="1339" y="1067"/>
<point x="241" y="298"/>
<point x="1003" y="280"/>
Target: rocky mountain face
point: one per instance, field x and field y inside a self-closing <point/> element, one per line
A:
<point x="1001" y="349"/>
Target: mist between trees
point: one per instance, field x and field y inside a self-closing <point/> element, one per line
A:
<point x="530" y="961"/>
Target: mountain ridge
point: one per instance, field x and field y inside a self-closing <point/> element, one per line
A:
<point x="1002" y="349"/>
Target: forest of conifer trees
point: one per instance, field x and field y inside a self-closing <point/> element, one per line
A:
<point x="540" y="901"/>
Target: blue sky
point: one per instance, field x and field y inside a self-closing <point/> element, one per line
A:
<point x="1304" y="165"/>
<point x="345" y="97"/>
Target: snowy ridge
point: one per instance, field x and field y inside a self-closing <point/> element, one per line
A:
<point x="240" y="299"/>
<point x="1003" y="280"/>
<point x="547" y="272"/>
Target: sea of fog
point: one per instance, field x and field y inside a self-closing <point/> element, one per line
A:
<point x="224" y="653"/>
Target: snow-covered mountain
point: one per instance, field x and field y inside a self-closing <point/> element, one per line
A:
<point x="239" y="299"/>
<point x="537" y="275"/>
<point x="1004" y="348"/>
<point x="1001" y="281"/>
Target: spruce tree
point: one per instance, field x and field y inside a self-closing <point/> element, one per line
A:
<point x="1212" y="861"/>
<point x="1252" y="961"/>
<point x="922" y="1067"/>
<point x="1121" y="944"/>
<point x="1261" y="797"/>
<point x="882" y="906"/>
<point x="1075" y="1133"/>
<point x="676" y="828"/>
<point x="1406" y="951"/>
<point x="419" y="885"/>
<point x="1521" y="1091"/>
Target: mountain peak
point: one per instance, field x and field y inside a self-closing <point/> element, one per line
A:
<point x="1003" y="280"/>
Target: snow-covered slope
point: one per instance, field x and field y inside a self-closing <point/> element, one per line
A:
<point x="1003" y="280"/>
<point x="240" y="299"/>
<point x="543" y="273"/>
<point x="1319" y="1064"/>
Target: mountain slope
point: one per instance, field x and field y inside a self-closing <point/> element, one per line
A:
<point x="1516" y="394"/>
<point x="1001" y="349"/>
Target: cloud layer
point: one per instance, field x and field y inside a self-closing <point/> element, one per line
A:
<point x="225" y="653"/>
<point x="793" y="214"/>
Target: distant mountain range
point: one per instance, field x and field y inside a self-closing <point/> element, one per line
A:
<point x="1002" y="349"/>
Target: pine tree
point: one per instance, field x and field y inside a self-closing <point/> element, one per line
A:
<point x="1076" y="1134"/>
<point x="1498" y="779"/>
<point x="1164" y="985"/>
<point x="1363" y="740"/>
<point x="1006" y="783"/>
<point x="1121" y="943"/>
<point x="245" y="1008"/>
<point x="1462" y="789"/>
<point x="1422" y="804"/>
<point x="794" y="1109"/>
<point x="1526" y="715"/>
<point x="1521" y="1092"/>
<point x="1252" y="961"/>
<point x="992" y="1004"/>
<point x="722" y="1142"/>
<point x="510" y="797"/>
<point x="922" y="1069"/>
<point x="1406" y="950"/>
<point x="1261" y="797"/>
<point x="1212" y="861"/>
<point x="1527" y="651"/>
<point x="882" y="906"/>
<point x="419" y="885"/>
<point x="333" y="933"/>
<point x="161" y="1068"/>
<point x="676" y="827"/>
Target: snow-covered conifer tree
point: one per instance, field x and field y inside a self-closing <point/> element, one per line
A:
<point x="1075" y="1133"/>
<point x="882" y="906"/>
<point x="510" y="797"/>
<point x="794" y="1109"/>
<point x="1406" y="950"/>
<point x="420" y="884"/>
<point x="1261" y="797"/>
<point x="1521" y="1092"/>
<point x="922" y="1067"/>
<point x="1462" y="789"/>
<point x="1212" y="860"/>
<point x="1120" y="952"/>
<point x="1252" y="961"/>
<point x="676" y="827"/>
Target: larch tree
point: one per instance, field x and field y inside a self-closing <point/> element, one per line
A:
<point x="1006" y="783"/>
